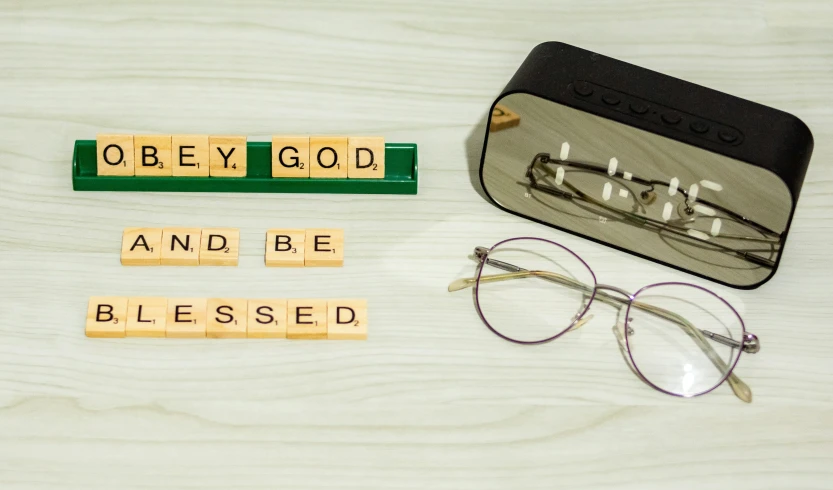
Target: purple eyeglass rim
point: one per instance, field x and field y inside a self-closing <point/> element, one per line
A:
<point x="631" y="298"/>
<point x="531" y="342"/>
<point x="705" y="290"/>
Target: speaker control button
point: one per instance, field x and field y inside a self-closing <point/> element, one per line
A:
<point x="671" y="118"/>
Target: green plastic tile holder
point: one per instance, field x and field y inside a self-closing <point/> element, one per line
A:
<point x="400" y="176"/>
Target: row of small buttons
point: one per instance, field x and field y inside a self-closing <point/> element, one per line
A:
<point x="667" y="116"/>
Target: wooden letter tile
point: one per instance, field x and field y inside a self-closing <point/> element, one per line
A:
<point x="347" y="319"/>
<point x="181" y="246"/>
<point x="285" y="248"/>
<point x="366" y="157"/>
<point x="189" y="154"/>
<point x="107" y="316"/>
<point x="219" y="246"/>
<point x="328" y="157"/>
<point x="114" y="154"/>
<point x="227" y="156"/>
<point x="290" y="156"/>
<point x="152" y="155"/>
<point x="186" y="318"/>
<point x="226" y="318"/>
<point x="503" y="118"/>
<point x="146" y="317"/>
<point x="306" y="319"/>
<point x="141" y="246"/>
<point x="267" y="319"/>
<point x="324" y="248"/>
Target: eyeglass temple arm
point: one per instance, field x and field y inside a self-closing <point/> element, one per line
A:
<point x="739" y="387"/>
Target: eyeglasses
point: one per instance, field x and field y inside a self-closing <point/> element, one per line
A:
<point x="680" y="339"/>
<point x="692" y="221"/>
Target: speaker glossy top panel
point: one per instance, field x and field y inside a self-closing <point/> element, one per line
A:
<point x="675" y="203"/>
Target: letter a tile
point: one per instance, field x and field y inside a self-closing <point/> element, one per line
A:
<point x="141" y="246"/>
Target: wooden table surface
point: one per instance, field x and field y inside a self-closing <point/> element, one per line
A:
<point x="432" y="399"/>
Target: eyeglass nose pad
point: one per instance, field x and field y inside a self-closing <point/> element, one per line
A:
<point x="619" y="332"/>
<point x="648" y="197"/>
<point x="581" y="322"/>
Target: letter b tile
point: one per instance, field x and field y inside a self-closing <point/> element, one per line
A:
<point x="107" y="317"/>
<point x="285" y="248"/>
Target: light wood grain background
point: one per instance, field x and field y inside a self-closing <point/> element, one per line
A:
<point x="431" y="400"/>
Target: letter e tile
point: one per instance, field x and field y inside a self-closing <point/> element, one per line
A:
<point x="306" y="319"/>
<point x="324" y="248"/>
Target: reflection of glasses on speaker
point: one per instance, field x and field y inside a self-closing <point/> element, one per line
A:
<point x="680" y="339"/>
<point x="633" y="199"/>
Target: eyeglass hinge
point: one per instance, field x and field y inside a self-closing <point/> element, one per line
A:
<point x="481" y="253"/>
<point x="751" y="344"/>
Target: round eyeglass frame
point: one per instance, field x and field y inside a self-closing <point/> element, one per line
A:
<point x="630" y="300"/>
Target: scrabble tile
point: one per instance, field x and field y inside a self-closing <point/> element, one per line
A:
<point x="106" y="316"/>
<point x="267" y="319"/>
<point x="181" y="246"/>
<point x="219" y="246"/>
<point x="152" y="155"/>
<point x="306" y="319"/>
<point x="146" y="317"/>
<point x="141" y="246"/>
<point x="347" y="319"/>
<point x="114" y="154"/>
<point x="503" y="118"/>
<point x="290" y="156"/>
<point x="227" y="156"/>
<point x="366" y="157"/>
<point x="189" y="154"/>
<point x="226" y="318"/>
<point x="324" y="248"/>
<point x="186" y="318"/>
<point x="285" y="248"/>
<point x="328" y="157"/>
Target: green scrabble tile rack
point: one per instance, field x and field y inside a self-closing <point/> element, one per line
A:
<point x="400" y="175"/>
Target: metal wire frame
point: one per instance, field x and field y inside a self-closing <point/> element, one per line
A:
<point x="749" y="343"/>
<point x="771" y="238"/>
